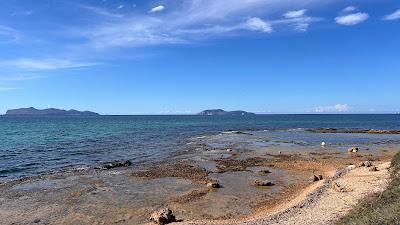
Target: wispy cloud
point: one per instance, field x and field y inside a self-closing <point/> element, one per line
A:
<point x="22" y="77"/>
<point x="157" y="9"/>
<point x="9" y="88"/>
<point x="339" y="108"/>
<point x="44" y="64"/>
<point x="8" y="34"/>
<point x="100" y="11"/>
<point x="194" y="20"/>
<point x="394" y="16"/>
<point x="351" y="18"/>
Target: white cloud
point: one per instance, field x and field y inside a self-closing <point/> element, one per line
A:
<point x="100" y="11"/>
<point x="339" y="108"/>
<point x="8" y="34"/>
<point x="295" y="14"/>
<point x="22" y="77"/>
<point x="44" y="64"/>
<point x="157" y="9"/>
<point x="192" y="21"/>
<point x="352" y="19"/>
<point x="9" y="88"/>
<point x="349" y="9"/>
<point x="393" y="16"/>
<point x="257" y="24"/>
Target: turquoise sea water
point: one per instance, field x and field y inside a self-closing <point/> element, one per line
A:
<point x="30" y="146"/>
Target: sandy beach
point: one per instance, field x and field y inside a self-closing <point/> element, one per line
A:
<point x="128" y="195"/>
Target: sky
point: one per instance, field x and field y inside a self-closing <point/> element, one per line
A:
<point x="184" y="56"/>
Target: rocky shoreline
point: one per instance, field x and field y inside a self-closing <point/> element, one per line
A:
<point x="354" y="131"/>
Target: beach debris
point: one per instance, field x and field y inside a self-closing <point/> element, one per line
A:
<point x="213" y="184"/>
<point x="351" y="167"/>
<point x="323" y="144"/>
<point x="115" y="164"/>
<point x="373" y="169"/>
<point x="352" y="150"/>
<point x="316" y="178"/>
<point x="163" y="216"/>
<point x="264" y="172"/>
<point x="336" y="187"/>
<point x="259" y="182"/>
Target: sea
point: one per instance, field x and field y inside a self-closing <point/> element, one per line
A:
<point x="31" y="146"/>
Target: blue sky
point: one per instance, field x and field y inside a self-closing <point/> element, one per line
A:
<point x="183" y="56"/>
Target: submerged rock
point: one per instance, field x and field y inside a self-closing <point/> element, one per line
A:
<point x="263" y="183"/>
<point x="352" y="150"/>
<point x="163" y="216"/>
<point x="213" y="185"/>
<point x="115" y="164"/>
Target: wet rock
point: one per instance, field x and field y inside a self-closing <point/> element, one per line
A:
<point x="373" y="169"/>
<point x="263" y="183"/>
<point x="336" y="187"/>
<point x="115" y="164"/>
<point x="352" y="150"/>
<point x="213" y="185"/>
<point x="264" y="172"/>
<point x="163" y="216"/>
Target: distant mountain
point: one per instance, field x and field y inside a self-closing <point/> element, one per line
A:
<point x="48" y="112"/>
<point x="220" y="112"/>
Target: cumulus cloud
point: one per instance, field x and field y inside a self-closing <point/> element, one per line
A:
<point x="349" y="9"/>
<point x="394" y="16"/>
<point x="157" y="9"/>
<point x="352" y="19"/>
<point x="257" y="24"/>
<point x="44" y="64"/>
<point x="338" y="108"/>
<point x="295" y="14"/>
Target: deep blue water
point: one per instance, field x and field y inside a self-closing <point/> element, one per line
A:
<point x="29" y="146"/>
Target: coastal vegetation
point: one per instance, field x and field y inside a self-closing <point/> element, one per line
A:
<point x="382" y="208"/>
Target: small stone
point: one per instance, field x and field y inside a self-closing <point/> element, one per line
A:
<point x="336" y="187"/>
<point x="213" y="185"/>
<point x="263" y="183"/>
<point x="163" y="216"/>
<point x="316" y="178"/>
<point x="264" y="172"/>
<point x="361" y="164"/>
<point x="320" y="177"/>
<point x="368" y="163"/>
<point x="351" y="167"/>
<point x="36" y="221"/>
<point x="229" y="150"/>
<point x="373" y="169"/>
<point x="352" y="150"/>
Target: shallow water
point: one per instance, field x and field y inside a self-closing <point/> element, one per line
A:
<point x="30" y="146"/>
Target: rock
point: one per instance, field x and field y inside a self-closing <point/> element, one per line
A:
<point x="316" y="178"/>
<point x="350" y="167"/>
<point x="115" y="164"/>
<point x="264" y="172"/>
<point x="352" y="150"/>
<point x="36" y="221"/>
<point x="280" y="152"/>
<point x="263" y="183"/>
<point x="163" y="216"/>
<point x="213" y="185"/>
<point x="367" y="163"/>
<point x="361" y="164"/>
<point x="373" y="169"/>
<point x="229" y="150"/>
<point x="336" y="187"/>
<point x="323" y="144"/>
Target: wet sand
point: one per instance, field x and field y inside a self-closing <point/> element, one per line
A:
<point x="129" y="195"/>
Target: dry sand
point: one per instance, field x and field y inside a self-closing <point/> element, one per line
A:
<point x="320" y="204"/>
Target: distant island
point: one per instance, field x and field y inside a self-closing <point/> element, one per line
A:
<point x="48" y="112"/>
<point x="220" y="112"/>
